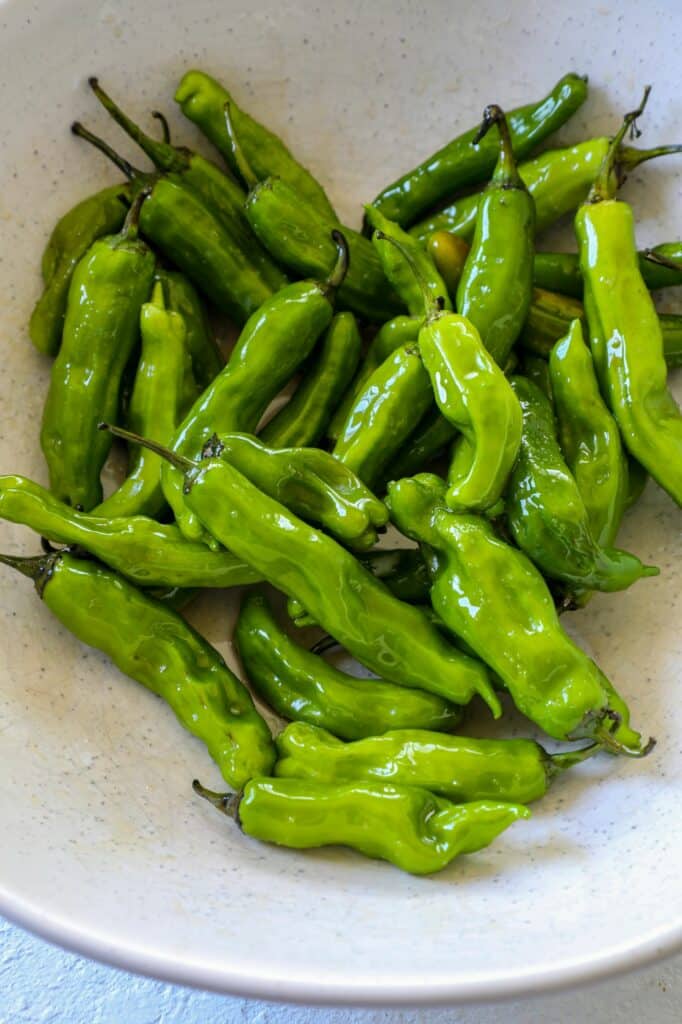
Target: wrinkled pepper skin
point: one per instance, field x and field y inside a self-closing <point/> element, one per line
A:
<point x="155" y="646"/>
<point x="154" y="410"/>
<point x="100" y="214"/>
<point x="101" y="328"/>
<point x="589" y="436"/>
<point x="626" y="342"/>
<point x="304" y="419"/>
<point x="495" y="288"/>
<point x="546" y="513"/>
<point x="300" y="241"/>
<point x="384" y="414"/>
<point x="457" y="767"/>
<point x="462" y="162"/>
<point x="311" y="483"/>
<point x="476" y="398"/>
<point x="560" y="271"/>
<point x="202" y="99"/>
<point x="303" y="687"/>
<point x="181" y="297"/>
<point x="399" y="272"/>
<point x="492" y="596"/>
<point x="406" y="826"/>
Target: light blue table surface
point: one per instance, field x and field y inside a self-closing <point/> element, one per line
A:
<point x="40" y="984"/>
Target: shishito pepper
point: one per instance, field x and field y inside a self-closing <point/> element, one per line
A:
<point x="407" y="826"/>
<point x="492" y="596"/>
<point x="180" y="296"/>
<point x="155" y="646"/>
<point x="458" y="767"/>
<point x="560" y="271"/>
<point x="399" y="272"/>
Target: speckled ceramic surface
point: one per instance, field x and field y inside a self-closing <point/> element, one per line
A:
<point x="104" y="847"/>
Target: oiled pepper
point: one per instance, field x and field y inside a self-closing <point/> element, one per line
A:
<point x="492" y="596"/>
<point x="409" y="827"/>
<point x="180" y="296"/>
<point x="303" y="687"/>
<point x="546" y="513"/>
<point x="101" y="328"/>
<point x="431" y="439"/>
<point x="155" y="646"/>
<point x="457" y="767"/>
<point x="560" y="271"/>
<point x="399" y="272"/>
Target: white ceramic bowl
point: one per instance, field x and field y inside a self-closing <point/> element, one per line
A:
<point x="104" y="848"/>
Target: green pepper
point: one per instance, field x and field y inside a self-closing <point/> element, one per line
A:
<point x="154" y="409"/>
<point x="456" y="767"/>
<point x="468" y="160"/>
<point x="101" y="328"/>
<point x="216" y="190"/>
<point x="181" y="297"/>
<point x="406" y="826"/>
<point x="494" y="291"/>
<point x="449" y="253"/>
<point x="389" y="637"/>
<point x="155" y="646"/>
<point x="310" y="482"/>
<point x="303" y="687"/>
<point x="546" y="513"/>
<point x="625" y="333"/>
<point x="558" y="180"/>
<point x="276" y="339"/>
<point x="399" y="272"/>
<point x="433" y="436"/>
<point x="100" y="214"/>
<point x="560" y="271"/>
<point x="202" y="99"/>
<point x="492" y="596"/>
<point x="304" y="419"/>
<point x="536" y="369"/>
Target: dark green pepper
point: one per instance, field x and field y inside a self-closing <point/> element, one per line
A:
<point x="468" y="160"/>
<point x="560" y="271"/>
<point x="155" y="646"/>
<point x="492" y="596"/>
<point x="180" y="296"/>
<point x="101" y="329"/>
<point x="546" y="514"/>
<point x="457" y="767"/>
<point x="303" y="687"/>
<point x="74" y="233"/>
<point x="536" y="369"/>
<point x="399" y="272"/>
<point x="409" y="827"/>
<point x="304" y="419"/>
<point x="431" y="439"/>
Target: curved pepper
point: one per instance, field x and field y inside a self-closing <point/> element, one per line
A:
<point x="303" y="687"/>
<point x="100" y="214"/>
<point x="547" y="515"/>
<point x="467" y="160"/>
<point x="399" y="272"/>
<point x="409" y="827"/>
<point x="492" y="596"/>
<point x="560" y="271"/>
<point x="625" y="334"/>
<point x="101" y="328"/>
<point x="457" y="767"/>
<point x="304" y="419"/>
<point x="181" y="297"/>
<point x="155" y="646"/>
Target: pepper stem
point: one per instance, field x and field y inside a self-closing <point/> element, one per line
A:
<point x="340" y="269"/>
<point x="31" y="567"/>
<point x="161" y="154"/>
<point x="165" y="127"/>
<point x="664" y="261"/>
<point x="177" y="461"/>
<point x="132" y="173"/>
<point x="506" y="172"/>
<point x="628" y="158"/>
<point x="244" y="168"/>
<point x="131" y="225"/>
<point x="433" y="306"/>
<point x="226" y="803"/>
<point x="557" y="763"/>
<point x="605" y="183"/>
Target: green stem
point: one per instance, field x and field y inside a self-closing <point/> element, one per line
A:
<point x="628" y="158"/>
<point x="605" y="183"/>
<point x="433" y="306"/>
<point x="165" y="127"/>
<point x="131" y="225"/>
<point x="557" y="763"/>
<point x="123" y="165"/>
<point x="227" y="803"/>
<point x="506" y="172"/>
<point x="244" y="168"/>
<point x="338" y="274"/>
<point x="39" y="569"/>
<point x="663" y="261"/>
<point x="177" y="461"/>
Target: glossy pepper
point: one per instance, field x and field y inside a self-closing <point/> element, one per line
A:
<point x="432" y="437"/>
<point x="310" y="482"/>
<point x="449" y="253"/>
<point x="536" y="370"/>
<point x="457" y="767"/>
<point x="181" y="297"/>
<point x="494" y="291"/>
<point x="101" y="328"/>
<point x="466" y="161"/>
<point x="546" y="514"/>
<point x="409" y="827"/>
<point x="399" y="272"/>
<point x="100" y="214"/>
<point x="492" y="596"/>
<point x="389" y="637"/>
<point x="202" y="99"/>
<point x="304" y="419"/>
<point x="216" y="190"/>
<point x="156" y="647"/>
<point x="274" y="342"/>
<point x="303" y="687"/>
<point x="624" y="330"/>
<point x="560" y="271"/>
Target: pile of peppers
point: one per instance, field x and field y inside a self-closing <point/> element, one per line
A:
<point x="499" y="408"/>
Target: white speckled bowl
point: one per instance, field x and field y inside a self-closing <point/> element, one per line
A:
<point x="104" y="847"/>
